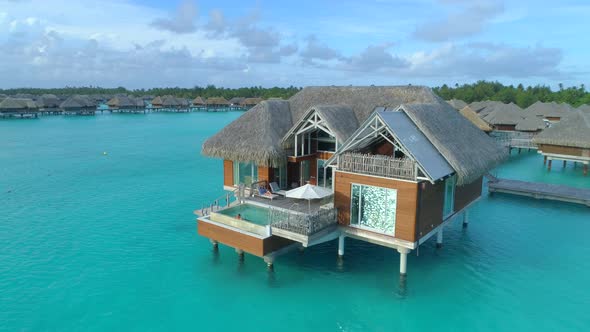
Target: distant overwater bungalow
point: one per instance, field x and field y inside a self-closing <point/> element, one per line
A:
<point x="470" y="115"/>
<point x="248" y="103"/>
<point x="126" y="104"/>
<point x="551" y="112"/>
<point x="568" y="140"/>
<point x="12" y="107"/>
<point x="199" y="104"/>
<point x="79" y="105"/>
<point x="388" y="165"/>
<point x="48" y="104"/>
<point x="215" y="104"/>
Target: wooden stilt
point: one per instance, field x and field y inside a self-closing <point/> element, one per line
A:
<point x="544" y="160"/>
<point x="549" y="164"/>
<point x="564" y="163"/>
<point x="585" y="169"/>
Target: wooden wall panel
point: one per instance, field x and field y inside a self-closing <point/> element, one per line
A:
<point x="430" y="209"/>
<point x="265" y="174"/>
<point x="324" y="155"/>
<point x="565" y="150"/>
<point x="275" y="243"/>
<point x="228" y="173"/>
<point x="406" y="200"/>
<point x="467" y="193"/>
<point x="233" y="239"/>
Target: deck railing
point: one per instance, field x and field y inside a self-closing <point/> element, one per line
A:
<point x="514" y="139"/>
<point x="302" y="223"/>
<point x="378" y="165"/>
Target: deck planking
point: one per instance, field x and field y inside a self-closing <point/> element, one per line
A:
<point x="538" y="190"/>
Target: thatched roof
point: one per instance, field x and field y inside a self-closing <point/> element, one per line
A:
<point x="480" y="106"/>
<point x="17" y="104"/>
<point x="573" y="131"/>
<point x="584" y="108"/>
<point x="467" y="149"/>
<point x="251" y="101"/>
<point x="24" y="96"/>
<point x="122" y="101"/>
<point x="170" y="101"/>
<point x="78" y="102"/>
<point x="236" y="100"/>
<point x="256" y="135"/>
<point x="157" y="101"/>
<point x="470" y="115"/>
<point x="503" y="114"/>
<point x="551" y="110"/>
<point x="457" y="104"/>
<point x="198" y="101"/>
<point x="531" y="123"/>
<point x="48" y="101"/>
<point x="217" y="101"/>
<point x="339" y="119"/>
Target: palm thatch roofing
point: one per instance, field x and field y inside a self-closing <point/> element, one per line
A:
<point x="470" y="115"/>
<point x="24" y="96"/>
<point x="457" y="104"/>
<point x="78" y="102"/>
<point x="170" y="101"/>
<point x="11" y="104"/>
<point x="503" y="114"/>
<point x="157" y="101"/>
<point x="256" y="136"/>
<point x="584" y="108"/>
<point x="236" y="100"/>
<point x="217" y="101"/>
<point x="249" y="102"/>
<point x="549" y="110"/>
<point x="480" y="106"/>
<point x="198" y="101"/>
<point x="122" y="101"/>
<point x="531" y="123"/>
<point x="467" y="149"/>
<point x="48" y="101"/>
<point x="339" y="119"/>
<point x="573" y="131"/>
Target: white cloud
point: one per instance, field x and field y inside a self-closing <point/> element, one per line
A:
<point x="182" y="21"/>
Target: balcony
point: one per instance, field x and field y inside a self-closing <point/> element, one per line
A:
<point x="378" y="165"/>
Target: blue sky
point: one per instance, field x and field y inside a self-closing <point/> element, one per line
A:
<point x="142" y="44"/>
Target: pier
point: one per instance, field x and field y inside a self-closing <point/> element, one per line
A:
<point x="537" y="190"/>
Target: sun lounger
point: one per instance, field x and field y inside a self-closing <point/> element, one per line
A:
<point x="274" y="188"/>
<point x="262" y="192"/>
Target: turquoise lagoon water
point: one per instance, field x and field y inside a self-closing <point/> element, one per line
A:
<point x="248" y="212"/>
<point x="93" y="242"/>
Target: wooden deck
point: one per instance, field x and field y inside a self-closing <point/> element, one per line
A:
<point x="540" y="190"/>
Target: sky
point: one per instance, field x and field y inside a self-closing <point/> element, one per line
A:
<point x="185" y="43"/>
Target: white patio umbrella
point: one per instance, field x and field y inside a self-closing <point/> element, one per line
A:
<point x="309" y="192"/>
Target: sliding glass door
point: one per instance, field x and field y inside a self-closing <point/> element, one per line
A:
<point x="373" y="208"/>
<point x="245" y="173"/>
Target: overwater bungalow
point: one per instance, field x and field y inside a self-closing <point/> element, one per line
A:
<point x="126" y="104"/>
<point x="568" y="140"/>
<point x="199" y="103"/>
<point x="156" y="102"/>
<point x="470" y="115"/>
<point x="79" y="105"/>
<point x="236" y="101"/>
<point x="531" y="124"/>
<point x="215" y="103"/>
<point x="48" y="104"/>
<point x="174" y="104"/>
<point x="502" y="117"/>
<point x="457" y="104"/>
<point x="248" y="103"/>
<point x="397" y="164"/>
<point x="552" y="112"/>
<point x="18" y="107"/>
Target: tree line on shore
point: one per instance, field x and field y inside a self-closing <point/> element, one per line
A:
<point x="520" y="95"/>
<point x="189" y="93"/>
<point x="479" y="91"/>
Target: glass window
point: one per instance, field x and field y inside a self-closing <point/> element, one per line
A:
<point x="373" y="208"/>
<point x="328" y="177"/>
<point x="305" y="165"/>
<point x="245" y="173"/>
<point x="325" y="142"/>
<point x="280" y="176"/>
<point x="449" y="206"/>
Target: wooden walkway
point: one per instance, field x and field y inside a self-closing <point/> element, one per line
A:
<point x="536" y="190"/>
